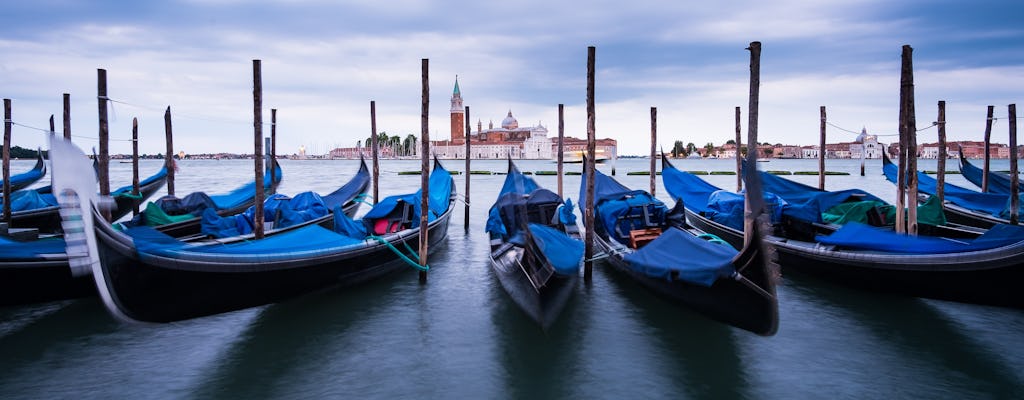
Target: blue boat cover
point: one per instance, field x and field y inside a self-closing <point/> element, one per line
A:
<point x="30" y="250"/>
<point x="244" y="193"/>
<point x="350" y="189"/>
<point x="618" y="209"/>
<point x="808" y="202"/>
<point x="31" y="199"/>
<point x="998" y="183"/>
<point x="716" y="204"/>
<point x="127" y="190"/>
<point x="278" y="208"/>
<point x="563" y="252"/>
<point x="989" y="203"/>
<point x="25" y="178"/>
<point x="312" y="238"/>
<point x="864" y="237"/>
<point x="696" y="260"/>
<point x="440" y="191"/>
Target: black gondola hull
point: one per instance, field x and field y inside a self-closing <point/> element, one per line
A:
<point x="171" y="290"/>
<point x="41" y="281"/>
<point x="542" y="305"/>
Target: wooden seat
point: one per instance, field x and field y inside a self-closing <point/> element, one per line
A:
<point x="640" y="237"/>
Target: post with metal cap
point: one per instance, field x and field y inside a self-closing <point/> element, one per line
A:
<point x="273" y="150"/>
<point x="821" y="149"/>
<point x="1014" y="178"/>
<point x="988" y="155"/>
<point x="257" y="124"/>
<point x="7" y="160"/>
<point x="67" y="116"/>
<point x="588" y="166"/>
<point x="425" y="164"/>
<point x="940" y="189"/>
<point x="739" y="155"/>
<point x="654" y="144"/>
<point x="467" y="166"/>
<point x="374" y="149"/>
<point x="169" y="155"/>
<point x="561" y="146"/>
<point x="135" y="163"/>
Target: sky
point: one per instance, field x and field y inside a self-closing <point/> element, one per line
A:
<point x="324" y="61"/>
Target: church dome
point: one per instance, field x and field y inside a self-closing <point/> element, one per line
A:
<point x="509" y="122"/>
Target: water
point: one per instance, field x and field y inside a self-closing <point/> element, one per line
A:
<point x="460" y="336"/>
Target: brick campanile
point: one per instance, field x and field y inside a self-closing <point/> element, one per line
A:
<point x="458" y="115"/>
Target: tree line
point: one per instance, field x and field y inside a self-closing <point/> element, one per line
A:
<point x="399" y="146"/>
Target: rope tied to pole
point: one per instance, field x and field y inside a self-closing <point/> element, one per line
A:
<point x="399" y="253"/>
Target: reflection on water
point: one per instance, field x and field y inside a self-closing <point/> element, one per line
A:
<point x="460" y="336"/>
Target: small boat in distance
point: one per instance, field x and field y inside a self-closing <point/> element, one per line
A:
<point x="576" y="156"/>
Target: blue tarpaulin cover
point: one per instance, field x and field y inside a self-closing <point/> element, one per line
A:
<point x="716" y="204"/>
<point x="26" y="178"/>
<point x="30" y="250"/>
<point x="864" y="237"/>
<point x="808" y="202"/>
<point x="31" y="199"/>
<point x="989" y="203"/>
<point x="696" y="260"/>
<point x="563" y="252"/>
<point x="440" y="191"/>
<point x="998" y="183"/>
<point x="149" y="241"/>
<point x="619" y="209"/>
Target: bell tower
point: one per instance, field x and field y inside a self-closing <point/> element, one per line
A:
<point x="458" y="115"/>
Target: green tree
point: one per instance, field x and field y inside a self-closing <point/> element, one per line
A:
<point x="730" y="141"/>
<point x="709" y="149"/>
<point x="677" y="148"/>
<point x="690" y="148"/>
<point x="410" y="144"/>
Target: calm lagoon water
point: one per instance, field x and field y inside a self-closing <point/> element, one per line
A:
<point x="460" y="336"/>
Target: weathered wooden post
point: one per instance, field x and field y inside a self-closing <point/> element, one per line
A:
<point x="910" y="128"/>
<point x="257" y="124"/>
<point x="561" y="148"/>
<point x="940" y="190"/>
<point x="7" y="160"/>
<point x="739" y="155"/>
<point x="425" y="164"/>
<point x="135" y="163"/>
<point x="67" y="116"/>
<point x="988" y="141"/>
<point x="588" y="166"/>
<point x="104" y="134"/>
<point x="753" y="189"/>
<point x="468" y="156"/>
<point x="273" y="149"/>
<point x="1014" y="178"/>
<point x="821" y="149"/>
<point x="374" y="150"/>
<point x="53" y="128"/>
<point x="169" y="154"/>
<point x="654" y="144"/>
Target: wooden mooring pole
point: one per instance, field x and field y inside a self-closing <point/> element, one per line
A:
<point x="273" y="150"/>
<point x="424" y="163"/>
<point x="1014" y="178"/>
<point x="67" y="116"/>
<point x="53" y="128"/>
<point x="7" y="160"/>
<point x="468" y="156"/>
<point x="135" y="163"/>
<point x="169" y="155"/>
<point x="561" y="147"/>
<point x="104" y="135"/>
<point x="588" y="166"/>
<point x="739" y="155"/>
<point x="374" y="150"/>
<point x="910" y="127"/>
<point x="257" y="124"/>
<point x="988" y="155"/>
<point x="654" y="146"/>
<point x="752" y="115"/>
<point x="940" y="167"/>
<point x="821" y="149"/>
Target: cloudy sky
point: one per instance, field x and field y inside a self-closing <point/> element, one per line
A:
<point x="324" y="61"/>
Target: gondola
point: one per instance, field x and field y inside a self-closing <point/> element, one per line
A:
<point x="38" y="208"/>
<point x="182" y="217"/>
<point x="998" y="183"/>
<point x="985" y="270"/>
<point x="34" y="271"/>
<point x="961" y="205"/>
<point x="146" y="275"/>
<point x="536" y="249"/>
<point x="24" y="179"/>
<point x="653" y="245"/>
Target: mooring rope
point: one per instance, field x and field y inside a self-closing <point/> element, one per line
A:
<point x="400" y="254"/>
